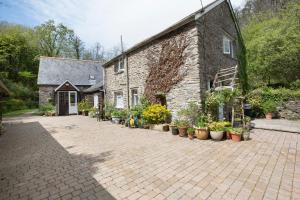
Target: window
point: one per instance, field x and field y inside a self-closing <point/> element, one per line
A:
<point x="226" y="45"/>
<point x="72" y="98"/>
<point x="119" y="65"/>
<point x="119" y="102"/>
<point x="134" y="97"/>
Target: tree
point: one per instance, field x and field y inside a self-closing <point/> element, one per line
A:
<point x="273" y="48"/>
<point x="78" y="47"/>
<point x="54" y="40"/>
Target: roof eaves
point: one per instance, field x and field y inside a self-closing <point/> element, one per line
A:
<point x="175" y="26"/>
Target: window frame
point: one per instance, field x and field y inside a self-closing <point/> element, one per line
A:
<point x="227" y="41"/>
<point x="116" y="95"/>
<point x="119" y="65"/>
<point x="134" y="97"/>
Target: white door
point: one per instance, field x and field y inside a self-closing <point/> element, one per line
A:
<point x="73" y="102"/>
<point x="96" y="101"/>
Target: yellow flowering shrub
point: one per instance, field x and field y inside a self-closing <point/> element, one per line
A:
<point x="156" y="114"/>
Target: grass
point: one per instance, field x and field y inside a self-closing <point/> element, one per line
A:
<point x="20" y="112"/>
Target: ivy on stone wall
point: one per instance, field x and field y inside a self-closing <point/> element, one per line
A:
<point x="164" y="67"/>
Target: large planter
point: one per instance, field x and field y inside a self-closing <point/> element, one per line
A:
<point x="182" y="131"/>
<point x="269" y="116"/>
<point x="116" y="120"/>
<point x="174" y="130"/>
<point x="201" y="133"/>
<point x="160" y="127"/>
<point x="236" y="137"/>
<point x="216" y="135"/>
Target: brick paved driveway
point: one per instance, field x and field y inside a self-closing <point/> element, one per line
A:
<point x="78" y="158"/>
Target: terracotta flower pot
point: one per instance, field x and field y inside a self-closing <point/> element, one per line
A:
<point x="236" y="137"/>
<point x="216" y="135"/>
<point x="191" y="137"/>
<point x="166" y="128"/>
<point x="269" y="116"/>
<point x="182" y="131"/>
<point x="201" y="133"/>
<point x="228" y="135"/>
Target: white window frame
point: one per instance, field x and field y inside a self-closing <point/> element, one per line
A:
<point x="119" y="97"/>
<point x="119" y="64"/>
<point x="134" y="97"/>
<point x="227" y="45"/>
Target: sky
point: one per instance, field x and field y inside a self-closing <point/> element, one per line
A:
<point x="104" y="20"/>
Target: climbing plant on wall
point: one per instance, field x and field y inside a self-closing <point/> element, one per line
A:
<point x="164" y="66"/>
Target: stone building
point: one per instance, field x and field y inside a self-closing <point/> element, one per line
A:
<point x="63" y="82"/>
<point x="177" y="65"/>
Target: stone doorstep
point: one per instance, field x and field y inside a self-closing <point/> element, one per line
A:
<point x="277" y="125"/>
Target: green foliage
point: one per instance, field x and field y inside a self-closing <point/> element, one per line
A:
<point x="108" y="109"/>
<point x="84" y="105"/>
<point x="202" y="122"/>
<point x="219" y="126"/>
<point x="182" y="123"/>
<point x="273" y="47"/>
<point x="269" y="106"/>
<point x="191" y="131"/>
<point x="156" y="114"/>
<point x="261" y="95"/>
<point x="295" y="85"/>
<point x="47" y="109"/>
<point x="122" y="113"/>
<point x="139" y="109"/>
<point x="216" y="98"/>
<point x="191" y="112"/>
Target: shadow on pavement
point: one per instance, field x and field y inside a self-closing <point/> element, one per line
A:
<point x="33" y="165"/>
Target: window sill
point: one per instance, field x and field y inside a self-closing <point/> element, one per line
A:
<point x="120" y="71"/>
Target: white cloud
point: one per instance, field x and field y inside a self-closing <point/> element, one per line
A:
<point x="105" y="20"/>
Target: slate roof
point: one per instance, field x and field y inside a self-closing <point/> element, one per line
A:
<point x="94" y="88"/>
<point x="55" y="71"/>
<point x="192" y="17"/>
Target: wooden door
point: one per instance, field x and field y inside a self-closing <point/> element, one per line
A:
<point x="63" y="103"/>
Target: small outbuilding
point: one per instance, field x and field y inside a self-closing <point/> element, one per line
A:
<point x="62" y="82"/>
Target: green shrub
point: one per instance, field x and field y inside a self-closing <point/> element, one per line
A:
<point x="295" y="85"/>
<point x="13" y="104"/>
<point x="202" y="122"/>
<point x="269" y="106"/>
<point x="182" y="123"/>
<point x="47" y="109"/>
<point x="191" y="112"/>
<point x="84" y="105"/>
<point x="219" y="126"/>
<point x="108" y="109"/>
<point x="156" y="114"/>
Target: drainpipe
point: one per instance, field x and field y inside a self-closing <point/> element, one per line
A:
<point x="127" y="76"/>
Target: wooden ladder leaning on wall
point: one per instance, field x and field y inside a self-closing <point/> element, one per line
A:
<point x="227" y="78"/>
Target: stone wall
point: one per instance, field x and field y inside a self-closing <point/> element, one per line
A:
<point x="290" y="109"/>
<point x="46" y="94"/>
<point x="188" y="89"/>
<point x="211" y="29"/>
<point x="204" y="56"/>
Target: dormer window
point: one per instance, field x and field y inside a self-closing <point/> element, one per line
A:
<point x="92" y="79"/>
<point x="119" y="65"/>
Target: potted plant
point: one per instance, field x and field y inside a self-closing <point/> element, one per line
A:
<point x="182" y="127"/>
<point x="246" y="131"/>
<point x="174" y="128"/>
<point x="269" y="107"/>
<point x="236" y="134"/>
<point x="217" y="129"/>
<point x="191" y="133"/>
<point x="228" y="131"/>
<point x="116" y="116"/>
<point x="156" y="115"/>
<point x="201" y="129"/>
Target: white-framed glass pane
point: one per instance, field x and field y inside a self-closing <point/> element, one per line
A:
<point x="134" y="97"/>
<point x="96" y="101"/>
<point x="226" y="45"/>
<point x="119" y="101"/>
<point x="72" y="98"/>
<point x="121" y="64"/>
